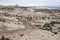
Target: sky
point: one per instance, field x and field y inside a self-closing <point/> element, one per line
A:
<point x="55" y="3"/>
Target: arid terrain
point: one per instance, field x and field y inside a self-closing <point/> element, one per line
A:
<point x="29" y="23"/>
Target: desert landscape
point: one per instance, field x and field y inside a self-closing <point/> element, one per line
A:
<point x="29" y="23"/>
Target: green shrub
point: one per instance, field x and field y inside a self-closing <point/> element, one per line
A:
<point x="2" y="38"/>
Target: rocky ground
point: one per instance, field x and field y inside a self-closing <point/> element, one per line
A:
<point x="25" y="23"/>
<point x="34" y="34"/>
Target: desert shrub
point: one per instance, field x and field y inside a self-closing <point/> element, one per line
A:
<point x="52" y="23"/>
<point x="3" y="20"/>
<point x="7" y="38"/>
<point x="47" y="27"/>
<point x="29" y="18"/>
<point x="22" y="35"/>
<point x="55" y="32"/>
<point x="43" y="18"/>
<point x="0" y="19"/>
<point x="2" y="38"/>
<point x="58" y="27"/>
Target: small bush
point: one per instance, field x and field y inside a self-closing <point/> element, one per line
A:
<point x="55" y="32"/>
<point x="21" y="35"/>
<point x="3" y="20"/>
<point x="2" y="38"/>
<point x="58" y="27"/>
<point x="7" y="38"/>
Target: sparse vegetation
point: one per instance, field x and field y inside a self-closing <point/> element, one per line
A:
<point x="3" y="20"/>
<point x="22" y="35"/>
<point x="3" y="38"/>
<point x="47" y="27"/>
<point x="13" y="18"/>
<point x="55" y="32"/>
<point x="29" y="18"/>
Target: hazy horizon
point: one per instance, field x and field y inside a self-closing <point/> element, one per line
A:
<point x="51" y="3"/>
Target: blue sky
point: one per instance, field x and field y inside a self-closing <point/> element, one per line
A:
<point x="31" y="2"/>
